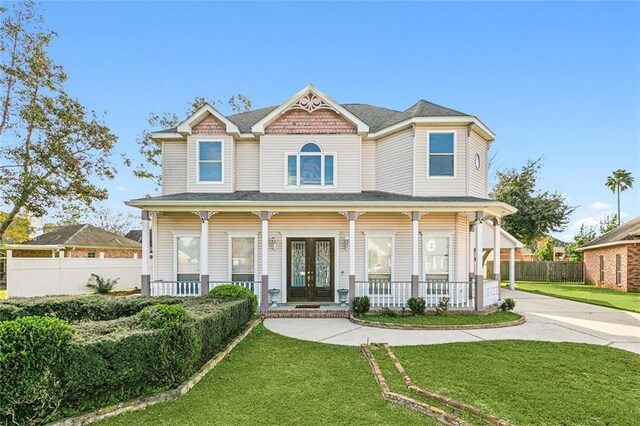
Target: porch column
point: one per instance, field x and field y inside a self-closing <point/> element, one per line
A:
<point x="496" y="249"/>
<point x="264" y="217"/>
<point x="512" y="268"/>
<point x="204" y="252"/>
<point x="479" y="279"/>
<point x="415" y="278"/>
<point x="352" y="255"/>
<point x="145" y="278"/>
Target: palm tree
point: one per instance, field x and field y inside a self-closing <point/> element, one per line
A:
<point x="620" y="180"/>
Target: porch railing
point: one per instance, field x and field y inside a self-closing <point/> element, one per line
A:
<point x="175" y="288"/>
<point x="460" y="293"/>
<point x="385" y="294"/>
<point x="254" y="286"/>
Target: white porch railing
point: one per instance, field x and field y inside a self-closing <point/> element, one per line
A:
<point x="254" y="286"/>
<point x="491" y="292"/>
<point x="175" y="288"/>
<point x="460" y="293"/>
<point x="385" y="294"/>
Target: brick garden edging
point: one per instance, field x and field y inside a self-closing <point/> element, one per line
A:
<point x="395" y="326"/>
<point x="450" y="402"/>
<point x="141" y="403"/>
<point x="428" y="410"/>
<point x="305" y="313"/>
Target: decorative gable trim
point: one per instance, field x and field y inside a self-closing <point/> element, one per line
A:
<point x="204" y="115"/>
<point x="309" y="99"/>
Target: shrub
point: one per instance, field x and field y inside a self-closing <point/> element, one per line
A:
<point x="31" y="365"/>
<point x="162" y="316"/>
<point x="234" y="292"/>
<point x="101" y="285"/>
<point x="361" y="305"/>
<point x="9" y="312"/>
<point x="443" y="306"/>
<point x="389" y="313"/>
<point x="417" y="305"/>
<point x="508" y="305"/>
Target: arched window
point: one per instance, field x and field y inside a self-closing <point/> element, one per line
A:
<point x="310" y="166"/>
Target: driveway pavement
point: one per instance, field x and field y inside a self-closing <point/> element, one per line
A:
<point x="548" y="318"/>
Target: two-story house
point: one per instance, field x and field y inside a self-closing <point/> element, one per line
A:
<point x="312" y="196"/>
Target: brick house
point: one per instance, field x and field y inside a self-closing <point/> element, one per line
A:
<point x="613" y="259"/>
<point x="312" y="199"/>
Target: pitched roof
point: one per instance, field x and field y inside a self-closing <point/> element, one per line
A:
<point x="83" y="236"/>
<point x="374" y="116"/>
<point x="623" y="234"/>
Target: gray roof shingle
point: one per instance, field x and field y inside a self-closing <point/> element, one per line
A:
<point x="629" y="231"/>
<point x="84" y="236"/>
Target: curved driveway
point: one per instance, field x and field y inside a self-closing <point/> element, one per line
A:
<point x="548" y="318"/>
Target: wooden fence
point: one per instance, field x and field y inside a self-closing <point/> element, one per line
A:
<point x="569" y="272"/>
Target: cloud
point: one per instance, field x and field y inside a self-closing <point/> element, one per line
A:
<point x="122" y="189"/>
<point x="599" y="205"/>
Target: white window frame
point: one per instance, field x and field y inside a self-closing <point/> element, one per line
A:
<point x="322" y="155"/>
<point x="210" y="182"/>
<point x="425" y="236"/>
<point x="177" y="235"/>
<point x="240" y="234"/>
<point x="368" y="235"/>
<point x="455" y="152"/>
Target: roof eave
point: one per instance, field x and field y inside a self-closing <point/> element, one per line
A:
<point x="477" y="125"/>
<point x="611" y="244"/>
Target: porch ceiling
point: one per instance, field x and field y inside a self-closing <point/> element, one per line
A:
<point x="240" y="201"/>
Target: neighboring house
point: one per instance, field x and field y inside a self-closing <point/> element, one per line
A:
<point x="312" y="196"/>
<point x="136" y="235"/>
<point x="613" y="259"/>
<point x="62" y="260"/>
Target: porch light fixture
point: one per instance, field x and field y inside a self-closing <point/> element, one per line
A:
<point x="347" y="243"/>
<point x="272" y="243"/>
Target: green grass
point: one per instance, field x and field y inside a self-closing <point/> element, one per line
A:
<point x="451" y="319"/>
<point x="532" y="382"/>
<point x="272" y="379"/>
<point x="3" y="294"/>
<point x="585" y="293"/>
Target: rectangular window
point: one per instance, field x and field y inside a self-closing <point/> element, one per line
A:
<point x="188" y="258"/>
<point x="328" y="170"/>
<point x="242" y="259"/>
<point x="209" y="161"/>
<point x="292" y="170"/>
<point x="91" y="254"/>
<point x="441" y="154"/>
<point x="618" y="269"/>
<point x="436" y="260"/>
<point x="601" y="269"/>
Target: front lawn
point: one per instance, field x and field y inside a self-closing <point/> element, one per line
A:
<point x="272" y="379"/>
<point x="584" y="293"/>
<point x="444" y="320"/>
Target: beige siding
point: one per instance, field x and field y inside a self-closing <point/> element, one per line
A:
<point x="174" y="167"/>
<point x="394" y="162"/>
<point x="168" y="226"/>
<point x="478" y="178"/>
<point x="346" y="149"/>
<point x="450" y="225"/>
<point x="368" y="165"/>
<point x="248" y="166"/>
<point x="227" y="167"/>
<point x="452" y="186"/>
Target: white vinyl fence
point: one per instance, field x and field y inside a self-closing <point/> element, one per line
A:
<point x="47" y="276"/>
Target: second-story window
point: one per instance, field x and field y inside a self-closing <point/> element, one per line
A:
<point x="441" y="154"/>
<point x="310" y="167"/>
<point x="210" y="161"/>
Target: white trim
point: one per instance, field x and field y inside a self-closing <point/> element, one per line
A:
<point x="377" y="234"/>
<point x="437" y="234"/>
<point x="455" y="154"/>
<point x="184" y="234"/>
<point x="466" y="119"/>
<point x="186" y="125"/>
<point x="322" y="156"/>
<point x="222" y="168"/>
<point x="613" y="243"/>
<point x="259" y="127"/>
<point x="242" y="234"/>
<point x="310" y="234"/>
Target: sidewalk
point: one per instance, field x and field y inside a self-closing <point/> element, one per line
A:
<point x="548" y="319"/>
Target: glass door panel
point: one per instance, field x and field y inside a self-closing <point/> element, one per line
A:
<point x="323" y="264"/>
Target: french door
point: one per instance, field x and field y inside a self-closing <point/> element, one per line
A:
<point x="310" y="269"/>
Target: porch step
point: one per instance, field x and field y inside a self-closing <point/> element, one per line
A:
<point x="305" y="313"/>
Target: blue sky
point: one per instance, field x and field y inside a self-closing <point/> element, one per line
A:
<point x="558" y="80"/>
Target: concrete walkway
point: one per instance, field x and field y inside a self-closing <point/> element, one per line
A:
<point x="548" y="319"/>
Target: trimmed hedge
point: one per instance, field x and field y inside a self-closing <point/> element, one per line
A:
<point x="111" y="361"/>
<point x="234" y="292"/>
